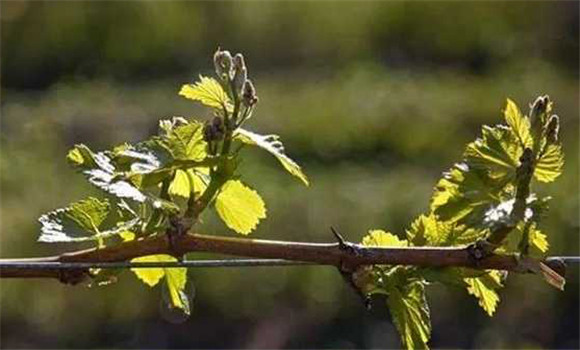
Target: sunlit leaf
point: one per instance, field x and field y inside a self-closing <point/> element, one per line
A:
<point x="497" y="152"/>
<point x="484" y="289"/>
<point x="519" y="124"/>
<point x="272" y="144"/>
<point x="550" y="164"/>
<point x="536" y="240"/>
<point x="207" y="91"/>
<point x="428" y="230"/>
<point x="81" y="221"/>
<point x="240" y="207"/>
<point x="100" y="171"/>
<point x="180" y="185"/>
<point x="199" y="178"/>
<point x="183" y="139"/>
<point x="127" y="236"/>
<point x="151" y="276"/>
<point x="410" y="313"/>
<point x="464" y="194"/>
<point x="380" y="238"/>
<point x="175" y="278"/>
<point x="451" y="276"/>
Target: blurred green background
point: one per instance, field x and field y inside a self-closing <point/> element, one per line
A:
<point x="374" y="99"/>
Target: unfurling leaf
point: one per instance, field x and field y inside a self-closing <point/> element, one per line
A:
<point x="550" y="164"/>
<point x="207" y="91"/>
<point x="484" y="289"/>
<point x="240" y="207"/>
<point x="410" y="313"/>
<point x="79" y="222"/>
<point x="175" y="278"/>
<point x="272" y="144"/>
<point x="519" y="124"/>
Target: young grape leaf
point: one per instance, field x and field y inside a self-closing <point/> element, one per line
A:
<point x="427" y="230"/>
<point x="80" y="222"/>
<point x="497" y="152"/>
<point x="536" y="240"/>
<point x="183" y="139"/>
<point x="180" y="185"/>
<point x="101" y="172"/>
<point x="175" y="278"/>
<point x="240" y="207"/>
<point x="464" y="194"/>
<point x="550" y="164"/>
<point x="519" y="124"/>
<point x="272" y="144"/>
<point x="380" y="238"/>
<point x="410" y="312"/>
<point x="484" y="289"/>
<point x="451" y="276"/>
<point x="207" y="91"/>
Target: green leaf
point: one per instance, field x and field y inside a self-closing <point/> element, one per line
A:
<point x="79" y="222"/>
<point x="175" y="278"/>
<point x="410" y="313"/>
<point x="207" y="91"/>
<point x="101" y="172"/>
<point x="380" y="238"/>
<point x="272" y="144"/>
<point x="450" y="276"/>
<point x="240" y="207"/>
<point x="550" y="164"/>
<point x="519" y="124"/>
<point x="199" y="179"/>
<point x="497" y="152"/>
<point x="427" y="230"/>
<point x="536" y="240"/>
<point x="180" y="185"/>
<point x="484" y="289"/>
<point x="81" y="156"/>
<point x="465" y="193"/>
<point x="151" y="276"/>
<point x="183" y="139"/>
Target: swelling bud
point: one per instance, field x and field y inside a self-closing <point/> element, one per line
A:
<point x="249" y="97"/>
<point x="222" y="61"/>
<point x="240" y="73"/>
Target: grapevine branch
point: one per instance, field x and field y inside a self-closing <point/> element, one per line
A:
<point x="343" y="255"/>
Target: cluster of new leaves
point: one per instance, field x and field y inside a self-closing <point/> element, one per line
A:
<point x="162" y="185"/>
<point x="479" y="199"/>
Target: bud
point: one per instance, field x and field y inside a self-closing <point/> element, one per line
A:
<point x="214" y="130"/>
<point x="539" y="109"/>
<point x="240" y="73"/>
<point x="222" y="61"/>
<point x="552" y="129"/>
<point x="249" y="97"/>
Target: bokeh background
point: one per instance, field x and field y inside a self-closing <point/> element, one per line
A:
<point x="374" y="99"/>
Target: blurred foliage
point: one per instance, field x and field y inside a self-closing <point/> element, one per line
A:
<point x="343" y="84"/>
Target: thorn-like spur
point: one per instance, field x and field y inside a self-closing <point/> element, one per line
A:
<point x="339" y="238"/>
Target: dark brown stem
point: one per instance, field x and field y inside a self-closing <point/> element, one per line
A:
<point x="319" y="253"/>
